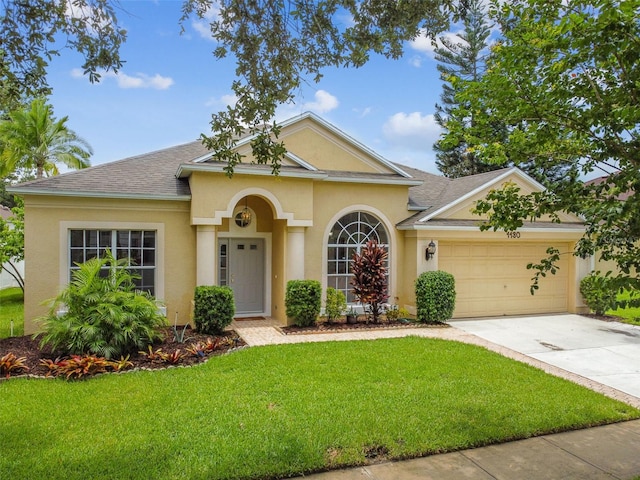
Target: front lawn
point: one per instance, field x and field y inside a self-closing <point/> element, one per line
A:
<point x="11" y="308"/>
<point x="629" y="315"/>
<point x="267" y="412"/>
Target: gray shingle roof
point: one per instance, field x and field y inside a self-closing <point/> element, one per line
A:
<point x="151" y="175"/>
<point x="438" y="191"/>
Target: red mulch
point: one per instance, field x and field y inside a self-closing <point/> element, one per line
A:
<point x="342" y="326"/>
<point x="30" y="349"/>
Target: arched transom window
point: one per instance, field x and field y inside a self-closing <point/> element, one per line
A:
<point x="348" y="236"/>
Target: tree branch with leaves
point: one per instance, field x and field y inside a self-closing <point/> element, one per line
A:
<point x="12" y="244"/>
<point x="565" y="81"/>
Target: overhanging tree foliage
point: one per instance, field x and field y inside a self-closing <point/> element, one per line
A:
<point x="279" y="44"/>
<point x="33" y="32"/>
<point x="565" y="79"/>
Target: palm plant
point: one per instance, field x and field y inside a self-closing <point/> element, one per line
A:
<point x="101" y="314"/>
<point x="34" y="141"/>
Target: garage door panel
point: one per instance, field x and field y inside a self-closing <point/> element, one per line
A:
<point x="493" y="279"/>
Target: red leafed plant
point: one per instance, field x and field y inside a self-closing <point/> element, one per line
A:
<point x="11" y="364"/>
<point x="369" y="279"/>
<point x="82" y="366"/>
<point x="76" y="366"/>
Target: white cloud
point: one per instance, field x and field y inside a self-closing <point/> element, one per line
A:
<point x="364" y="112"/>
<point x="139" y="80"/>
<point x="424" y="44"/>
<point x="324" y="102"/>
<point x="202" y="26"/>
<point x="229" y="100"/>
<point x="411" y="130"/>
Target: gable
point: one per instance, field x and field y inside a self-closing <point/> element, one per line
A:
<point x="328" y="149"/>
<point x="462" y="209"/>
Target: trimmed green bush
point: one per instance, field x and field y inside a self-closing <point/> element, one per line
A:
<point x="435" y="296"/>
<point x="214" y="308"/>
<point x="335" y="304"/>
<point x="303" y="300"/>
<point x="103" y="315"/>
<point x="599" y="292"/>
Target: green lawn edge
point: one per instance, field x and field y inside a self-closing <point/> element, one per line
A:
<point x="11" y="308"/>
<point x="283" y="410"/>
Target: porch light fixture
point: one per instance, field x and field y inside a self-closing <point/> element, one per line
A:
<point x="244" y="217"/>
<point x="430" y="251"/>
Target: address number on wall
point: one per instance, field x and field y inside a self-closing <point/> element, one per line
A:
<point x="513" y="234"/>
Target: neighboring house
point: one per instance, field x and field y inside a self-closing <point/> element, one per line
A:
<point x="185" y="223"/>
<point x="7" y="280"/>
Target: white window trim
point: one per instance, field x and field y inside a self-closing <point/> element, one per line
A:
<point x="393" y="268"/>
<point x="64" y="253"/>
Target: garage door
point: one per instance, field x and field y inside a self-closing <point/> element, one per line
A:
<point x="492" y="278"/>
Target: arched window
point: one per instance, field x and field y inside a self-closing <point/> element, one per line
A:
<point x="348" y="236"/>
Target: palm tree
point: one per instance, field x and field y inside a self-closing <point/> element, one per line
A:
<point x="33" y="140"/>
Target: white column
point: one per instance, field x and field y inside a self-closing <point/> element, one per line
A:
<point x="206" y="255"/>
<point x="295" y="253"/>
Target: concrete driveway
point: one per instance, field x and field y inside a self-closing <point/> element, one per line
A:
<point x="606" y="352"/>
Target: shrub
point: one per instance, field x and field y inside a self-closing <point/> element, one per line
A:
<point x="214" y="308"/>
<point x="104" y="314"/>
<point x="369" y="279"/>
<point x="335" y="305"/>
<point x="435" y="296"/>
<point x="10" y="364"/>
<point x="599" y="292"/>
<point x="81" y="366"/>
<point x="303" y="301"/>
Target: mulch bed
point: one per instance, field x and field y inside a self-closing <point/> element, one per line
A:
<point x="30" y="349"/>
<point x="342" y="326"/>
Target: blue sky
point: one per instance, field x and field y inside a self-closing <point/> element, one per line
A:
<point x="171" y="84"/>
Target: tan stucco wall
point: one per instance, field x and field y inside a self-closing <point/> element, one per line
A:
<point x="573" y="268"/>
<point x="333" y="200"/>
<point x="215" y="195"/>
<point x="462" y="211"/>
<point x="46" y="249"/>
<point x="326" y="151"/>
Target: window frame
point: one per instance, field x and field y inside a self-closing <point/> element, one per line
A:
<point x="132" y="245"/>
<point x="339" y="277"/>
<point x="65" y="227"/>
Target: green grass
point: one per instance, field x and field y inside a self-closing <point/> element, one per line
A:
<point x="11" y="308"/>
<point x="274" y="411"/>
<point x="629" y="315"/>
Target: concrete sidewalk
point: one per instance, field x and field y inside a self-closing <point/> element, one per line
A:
<point x="607" y="452"/>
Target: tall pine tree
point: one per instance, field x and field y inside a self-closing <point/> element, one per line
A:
<point x="461" y="58"/>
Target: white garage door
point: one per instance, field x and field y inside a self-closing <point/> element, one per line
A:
<point x="492" y="278"/>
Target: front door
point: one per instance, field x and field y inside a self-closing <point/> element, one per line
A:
<point x="245" y="273"/>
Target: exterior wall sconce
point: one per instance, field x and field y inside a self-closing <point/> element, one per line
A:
<point x="430" y="251"/>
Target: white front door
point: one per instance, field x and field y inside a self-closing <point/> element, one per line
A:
<point x="245" y="273"/>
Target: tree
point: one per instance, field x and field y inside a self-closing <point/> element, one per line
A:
<point x="33" y="141"/>
<point x="33" y="32"/>
<point x="462" y="58"/>
<point x="565" y="80"/>
<point x="12" y="244"/>
<point x="278" y="45"/>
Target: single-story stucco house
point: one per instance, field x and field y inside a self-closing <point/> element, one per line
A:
<point x="185" y="223"/>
